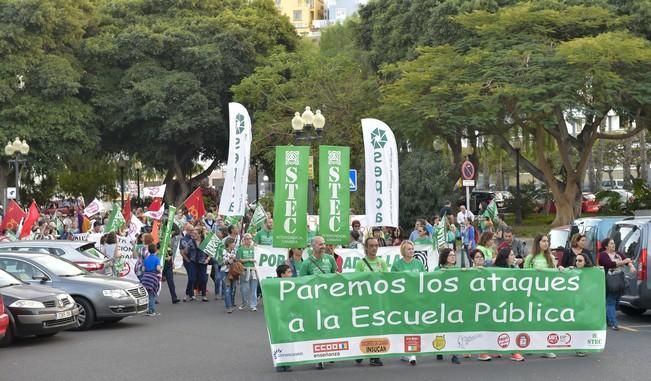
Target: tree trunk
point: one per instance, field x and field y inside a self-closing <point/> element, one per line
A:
<point x="592" y="178"/>
<point x="644" y="162"/>
<point x="599" y="164"/>
<point x="627" y="161"/>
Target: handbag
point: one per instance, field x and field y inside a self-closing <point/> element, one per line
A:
<point x="235" y="270"/>
<point x="615" y="282"/>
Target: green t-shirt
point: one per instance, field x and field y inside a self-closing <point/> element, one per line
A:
<point x="313" y="266"/>
<point x="378" y="264"/>
<point x="415" y="266"/>
<point x="246" y="253"/>
<point x="538" y="262"/>
<point x="488" y="253"/>
<point x="423" y="241"/>
<point x="264" y="237"/>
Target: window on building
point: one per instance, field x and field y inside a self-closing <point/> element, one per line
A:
<point x="298" y="15"/>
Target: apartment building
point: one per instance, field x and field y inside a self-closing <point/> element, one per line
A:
<point x="303" y="14"/>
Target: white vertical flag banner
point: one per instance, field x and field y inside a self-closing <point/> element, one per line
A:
<point x="233" y="201"/>
<point x="155" y="192"/>
<point x="382" y="179"/>
<point x="93" y="208"/>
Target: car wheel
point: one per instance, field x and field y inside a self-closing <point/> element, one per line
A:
<point x="86" y="317"/>
<point x="9" y="334"/>
<point x="632" y="311"/>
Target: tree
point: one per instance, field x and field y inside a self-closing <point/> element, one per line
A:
<point x="160" y="73"/>
<point x="41" y="95"/>
<point x="524" y="71"/>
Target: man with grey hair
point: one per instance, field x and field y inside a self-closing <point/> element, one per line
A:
<point x="318" y="263"/>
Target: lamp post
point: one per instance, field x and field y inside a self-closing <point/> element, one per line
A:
<point x="518" y="204"/>
<point x="122" y="163"/>
<point x="138" y="166"/>
<point x="17" y="148"/>
<point x="308" y="128"/>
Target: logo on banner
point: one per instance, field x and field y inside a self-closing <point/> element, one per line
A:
<point x="330" y="347"/>
<point x="555" y="340"/>
<point x="439" y="342"/>
<point x="503" y="340"/>
<point x="412" y="344"/>
<point x="595" y="340"/>
<point x="125" y="270"/>
<point x="378" y="138"/>
<point x="239" y="120"/>
<point x="334" y="157"/>
<point x="522" y="340"/>
<point x="375" y="345"/>
<point x="291" y="157"/>
<point x="463" y="341"/>
<point x="421" y="255"/>
<point x="278" y="354"/>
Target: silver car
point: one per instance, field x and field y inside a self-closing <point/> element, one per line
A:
<point x="82" y="253"/>
<point x="99" y="297"/>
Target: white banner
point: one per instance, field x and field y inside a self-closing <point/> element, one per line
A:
<point x="382" y="180"/>
<point x="125" y="246"/>
<point x="156" y="214"/>
<point x="233" y="201"/>
<point x="154" y="192"/>
<point x="268" y="258"/>
<point x="93" y="208"/>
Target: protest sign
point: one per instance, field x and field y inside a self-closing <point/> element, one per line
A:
<point x="359" y="315"/>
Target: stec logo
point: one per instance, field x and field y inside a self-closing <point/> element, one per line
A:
<point x="330" y="347"/>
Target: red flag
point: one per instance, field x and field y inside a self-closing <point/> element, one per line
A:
<point x="12" y="217"/>
<point x="194" y="203"/>
<point x="155" y="205"/>
<point x="126" y="211"/>
<point x="32" y="216"/>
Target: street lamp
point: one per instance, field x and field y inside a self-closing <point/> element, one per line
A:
<point x="518" y="203"/>
<point x="122" y="163"/>
<point x="17" y="148"/>
<point x="138" y="166"/>
<point x="308" y="127"/>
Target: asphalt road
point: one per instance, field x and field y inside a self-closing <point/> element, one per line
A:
<point x="199" y="341"/>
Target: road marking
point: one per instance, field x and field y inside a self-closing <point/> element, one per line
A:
<point x="628" y="328"/>
<point x="640" y="326"/>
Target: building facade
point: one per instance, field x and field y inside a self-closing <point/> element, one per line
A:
<point x="303" y="14"/>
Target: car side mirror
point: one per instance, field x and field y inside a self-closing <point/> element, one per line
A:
<point x="42" y="277"/>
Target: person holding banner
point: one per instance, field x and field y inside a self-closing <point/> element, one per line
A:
<point x="408" y="264"/>
<point x="248" y="280"/>
<point x="447" y="260"/>
<point x="318" y="262"/>
<point x="486" y="243"/>
<point x="371" y="263"/>
<point x="295" y="260"/>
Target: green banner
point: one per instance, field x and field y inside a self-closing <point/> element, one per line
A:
<point x="356" y="315"/>
<point x="166" y="234"/>
<point x="334" y="194"/>
<point x="210" y="244"/>
<point x="115" y="221"/>
<point x="290" y="197"/>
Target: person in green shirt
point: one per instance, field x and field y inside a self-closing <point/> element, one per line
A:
<point x="422" y="236"/>
<point x="486" y="243"/>
<point x="318" y="262"/>
<point x="249" y="279"/>
<point x="265" y="236"/>
<point x="371" y="263"/>
<point x="408" y="264"/>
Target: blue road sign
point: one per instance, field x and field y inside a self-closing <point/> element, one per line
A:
<point x="352" y="177"/>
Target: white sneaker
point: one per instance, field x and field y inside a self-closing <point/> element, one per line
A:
<point x="549" y="355"/>
<point x="253" y="309"/>
<point x="240" y="308"/>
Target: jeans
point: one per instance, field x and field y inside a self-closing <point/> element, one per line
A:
<point x="249" y="291"/>
<point x="189" y="269"/>
<point x="220" y="276"/>
<point x="611" y="309"/>
<point x="201" y="277"/>
<point x="230" y="286"/>
<point x="152" y="303"/>
<point x="168" y="273"/>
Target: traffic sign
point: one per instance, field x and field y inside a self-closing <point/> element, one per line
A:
<point x="467" y="170"/>
<point x="352" y="177"/>
<point x="468" y="183"/>
<point x="11" y="193"/>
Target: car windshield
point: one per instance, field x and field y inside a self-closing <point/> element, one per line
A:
<point x="58" y="266"/>
<point x="7" y="279"/>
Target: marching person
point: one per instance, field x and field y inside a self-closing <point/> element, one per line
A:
<point x="577" y="246"/>
<point x="464" y="215"/>
<point x="408" y="264"/>
<point x="295" y="260"/>
<point x="371" y="263"/>
<point x="447" y="260"/>
<point x="151" y="278"/>
<point x="229" y="257"/>
<point x="248" y="280"/>
<point x="613" y="262"/>
<point x="318" y="263"/>
<point x="284" y="271"/>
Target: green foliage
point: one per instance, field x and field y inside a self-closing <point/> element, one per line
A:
<point x="641" y="195"/>
<point x="424" y="185"/>
<point x="89" y="177"/>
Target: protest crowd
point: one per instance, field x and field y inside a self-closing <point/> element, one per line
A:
<point x="201" y="238"/>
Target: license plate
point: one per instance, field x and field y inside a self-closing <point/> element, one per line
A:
<point x="143" y="301"/>
<point x="63" y="315"/>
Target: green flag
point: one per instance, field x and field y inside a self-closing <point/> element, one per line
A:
<point x="115" y="221"/>
<point x="166" y="234"/>
<point x="334" y="194"/>
<point x="210" y="244"/>
<point x="290" y="198"/>
<point x="59" y="225"/>
<point x="491" y="212"/>
<point x="231" y="220"/>
<point x="258" y="219"/>
<point x="441" y="234"/>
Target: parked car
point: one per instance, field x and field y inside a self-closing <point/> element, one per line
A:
<point x="4" y="319"/>
<point x="623" y="196"/>
<point x="34" y="309"/>
<point x="589" y="203"/>
<point x="595" y="230"/>
<point x="82" y="253"/>
<point x="98" y="297"/>
<point x="632" y="237"/>
<point x="615" y="184"/>
<point x="557" y="238"/>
